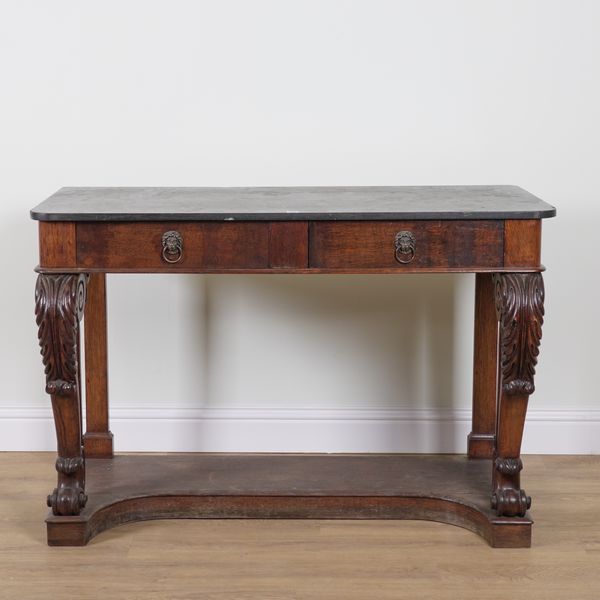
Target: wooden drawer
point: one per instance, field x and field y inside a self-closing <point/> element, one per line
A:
<point x="205" y="246"/>
<point x="420" y="244"/>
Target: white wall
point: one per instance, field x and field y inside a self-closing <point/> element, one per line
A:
<point x="303" y="93"/>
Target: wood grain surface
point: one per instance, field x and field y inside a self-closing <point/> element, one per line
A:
<point x="98" y="439"/>
<point x="522" y="243"/>
<point x="57" y="244"/>
<point x="441" y="244"/>
<point x="480" y="443"/>
<point x="205" y="245"/>
<point x="444" y="246"/>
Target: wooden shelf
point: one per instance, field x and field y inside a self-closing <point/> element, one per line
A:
<point x="444" y="488"/>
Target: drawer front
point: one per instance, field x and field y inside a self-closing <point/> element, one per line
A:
<point x="406" y="245"/>
<point x="173" y="246"/>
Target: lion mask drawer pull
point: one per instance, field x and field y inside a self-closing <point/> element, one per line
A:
<point x="405" y="243"/>
<point x="172" y="243"/>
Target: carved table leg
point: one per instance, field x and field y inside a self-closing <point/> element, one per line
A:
<point x="98" y="440"/>
<point x="480" y="443"/>
<point x="520" y="308"/>
<point x="59" y="304"/>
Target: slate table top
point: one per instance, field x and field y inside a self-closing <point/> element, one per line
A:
<point x="291" y="203"/>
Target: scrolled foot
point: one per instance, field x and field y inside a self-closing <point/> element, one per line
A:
<point x="509" y="502"/>
<point x="67" y="501"/>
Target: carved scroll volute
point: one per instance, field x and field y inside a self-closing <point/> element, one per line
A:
<point x="59" y="305"/>
<point x="520" y="309"/>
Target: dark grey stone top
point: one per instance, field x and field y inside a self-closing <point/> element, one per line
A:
<point x="291" y="203"/>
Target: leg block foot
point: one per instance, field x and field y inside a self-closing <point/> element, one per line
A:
<point x="98" y="445"/>
<point x="480" y="445"/>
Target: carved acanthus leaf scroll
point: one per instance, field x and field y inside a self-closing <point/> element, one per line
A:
<point x="69" y="465"/>
<point x="59" y="303"/>
<point x="509" y="466"/>
<point x="520" y="309"/>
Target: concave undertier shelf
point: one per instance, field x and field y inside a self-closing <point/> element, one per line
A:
<point x="449" y="489"/>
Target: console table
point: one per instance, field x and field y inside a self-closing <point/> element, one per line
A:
<point x="492" y="231"/>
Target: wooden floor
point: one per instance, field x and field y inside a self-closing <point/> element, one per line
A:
<point x="367" y="560"/>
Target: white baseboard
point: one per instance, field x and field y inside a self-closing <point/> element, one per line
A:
<point x="303" y="430"/>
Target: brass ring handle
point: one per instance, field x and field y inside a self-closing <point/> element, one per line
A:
<point x="404" y="244"/>
<point x="172" y="243"/>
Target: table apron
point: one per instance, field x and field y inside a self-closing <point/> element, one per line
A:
<point x="302" y="247"/>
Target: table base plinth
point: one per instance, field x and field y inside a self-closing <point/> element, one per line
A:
<point x="445" y="488"/>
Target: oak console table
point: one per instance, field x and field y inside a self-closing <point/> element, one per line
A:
<point x="493" y="231"/>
